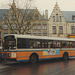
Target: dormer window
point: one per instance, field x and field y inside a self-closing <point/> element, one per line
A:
<point x="73" y="17"/>
<point x="36" y="17"/>
<point x="5" y="26"/>
<point x="56" y="17"/>
<point x="60" y="18"/>
<point x="53" y="18"/>
<point x="13" y="17"/>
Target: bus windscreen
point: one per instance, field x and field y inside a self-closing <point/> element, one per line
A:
<point x="9" y="42"/>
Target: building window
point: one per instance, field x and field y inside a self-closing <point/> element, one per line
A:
<point x="28" y="27"/>
<point x="72" y="30"/>
<point x="5" y="26"/>
<point x="44" y="26"/>
<point x="39" y="26"/>
<point x="73" y="17"/>
<point x="34" y="33"/>
<point x="36" y="17"/>
<point x="53" y="18"/>
<point x="4" y="17"/>
<point x="39" y="33"/>
<point x="29" y="33"/>
<point x="54" y="29"/>
<point x="56" y="17"/>
<point x="13" y="17"/>
<point x="5" y="34"/>
<point x="0" y="27"/>
<point x="60" y="18"/>
<point x="34" y="27"/>
<point x="45" y="34"/>
<point x="14" y="26"/>
<point x="61" y="29"/>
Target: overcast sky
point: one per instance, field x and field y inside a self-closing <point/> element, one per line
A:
<point x="42" y="5"/>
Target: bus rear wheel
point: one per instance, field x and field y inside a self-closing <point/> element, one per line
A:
<point x="65" y="56"/>
<point x="34" y="58"/>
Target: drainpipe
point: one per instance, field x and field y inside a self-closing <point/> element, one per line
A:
<point x="66" y="28"/>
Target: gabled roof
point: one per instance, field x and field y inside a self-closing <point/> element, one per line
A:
<point x="68" y="15"/>
<point x="27" y="10"/>
<point x="2" y="11"/>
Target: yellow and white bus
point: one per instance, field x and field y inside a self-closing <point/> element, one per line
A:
<point x="34" y="48"/>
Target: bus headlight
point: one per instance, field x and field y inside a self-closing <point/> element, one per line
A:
<point x="13" y="55"/>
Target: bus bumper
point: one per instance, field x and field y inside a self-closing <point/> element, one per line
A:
<point x="8" y="56"/>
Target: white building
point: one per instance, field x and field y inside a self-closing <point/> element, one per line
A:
<point x="62" y="22"/>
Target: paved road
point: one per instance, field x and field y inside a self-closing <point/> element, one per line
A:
<point x="49" y="67"/>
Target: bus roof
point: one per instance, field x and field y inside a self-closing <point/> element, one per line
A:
<point x="41" y="37"/>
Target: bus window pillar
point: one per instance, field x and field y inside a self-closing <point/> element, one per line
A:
<point x="16" y="43"/>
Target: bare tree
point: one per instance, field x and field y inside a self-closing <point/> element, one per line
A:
<point x="19" y="20"/>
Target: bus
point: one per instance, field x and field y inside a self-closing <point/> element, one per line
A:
<point x="34" y="48"/>
<point x="71" y="35"/>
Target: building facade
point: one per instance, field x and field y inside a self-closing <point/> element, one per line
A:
<point x="40" y="24"/>
<point x="61" y="23"/>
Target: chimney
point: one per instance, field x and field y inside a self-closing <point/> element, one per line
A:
<point x="46" y="14"/>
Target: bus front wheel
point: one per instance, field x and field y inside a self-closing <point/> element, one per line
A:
<point x="65" y="56"/>
<point x="34" y="58"/>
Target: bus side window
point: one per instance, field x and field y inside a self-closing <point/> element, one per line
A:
<point x="58" y="44"/>
<point x="35" y="44"/>
<point x="27" y="43"/>
<point x="43" y="43"/>
<point x="31" y="43"/>
<point x="21" y="43"/>
<point x="73" y="44"/>
<point x="46" y="44"/>
<point x="70" y="44"/>
<point x="64" y="44"/>
<point x="49" y="44"/>
<point x="54" y="44"/>
<point x="38" y="44"/>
